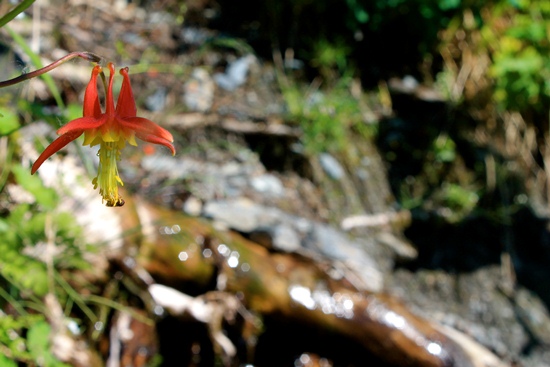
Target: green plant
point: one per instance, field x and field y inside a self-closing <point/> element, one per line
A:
<point x="43" y="252"/>
<point x="26" y="339"/>
<point x="36" y="242"/>
<point x="327" y="117"/>
<point x="517" y="36"/>
<point x="332" y="59"/>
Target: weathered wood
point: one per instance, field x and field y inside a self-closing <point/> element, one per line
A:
<point x="180" y="249"/>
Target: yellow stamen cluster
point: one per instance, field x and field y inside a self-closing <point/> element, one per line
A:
<point x="107" y="176"/>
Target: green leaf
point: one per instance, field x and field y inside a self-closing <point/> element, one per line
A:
<point x="38" y="339"/>
<point x="445" y="149"/>
<point x="44" y="196"/>
<point x="359" y="12"/>
<point x="38" y="343"/>
<point x="449" y="4"/>
<point x="9" y="122"/>
<point x="6" y="362"/>
<point x="4" y="227"/>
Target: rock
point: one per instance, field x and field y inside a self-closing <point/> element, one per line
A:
<point x="534" y="314"/>
<point x="156" y="101"/>
<point x="241" y="214"/>
<point x="337" y="246"/>
<point x="474" y="304"/>
<point x="235" y="74"/>
<point x="331" y="166"/>
<point x="206" y="180"/>
<point x="195" y="36"/>
<point x="280" y="231"/>
<point x="268" y="184"/>
<point x="286" y="238"/>
<point x="280" y="237"/>
<point x="198" y="91"/>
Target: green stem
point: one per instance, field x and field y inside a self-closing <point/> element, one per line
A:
<point x="12" y="301"/>
<point x="119" y="307"/>
<point x="75" y="297"/>
<point x="15" y="12"/>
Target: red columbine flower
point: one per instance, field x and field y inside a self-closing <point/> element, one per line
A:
<point x="111" y="130"/>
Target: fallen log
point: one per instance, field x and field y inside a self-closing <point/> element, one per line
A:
<point x="177" y="250"/>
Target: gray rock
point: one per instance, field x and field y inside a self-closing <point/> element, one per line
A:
<point x="332" y="167"/>
<point x="268" y="184"/>
<point x="285" y="238"/>
<point x="206" y="180"/>
<point x="235" y="74"/>
<point x="475" y="304"/>
<point x="533" y="313"/>
<point x="240" y="214"/>
<point x="198" y="91"/>
<point x="281" y="237"/>
<point x="278" y="230"/>
<point x="194" y="36"/>
<point x="156" y="101"/>
<point x="337" y="246"/>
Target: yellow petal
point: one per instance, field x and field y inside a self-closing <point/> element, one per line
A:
<point x="89" y="137"/>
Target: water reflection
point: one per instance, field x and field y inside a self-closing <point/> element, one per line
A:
<point x="233" y="260"/>
<point x="434" y="349"/>
<point x="158" y="310"/>
<point x="183" y="256"/>
<point x="223" y="250"/>
<point x="395" y="320"/>
<point x="169" y="230"/>
<point x="378" y="311"/>
<point x="207" y="253"/>
<point x="307" y="360"/>
<point x="337" y="304"/>
<point x="129" y="262"/>
<point x="304" y="360"/>
<point x="98" y="326"/>
<point x="302" y="295"/>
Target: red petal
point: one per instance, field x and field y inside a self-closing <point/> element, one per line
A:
<point x="55" y="146"/>
<point x="81" y="124"/>
<point x="156" y="140"/>
<point x="144" y="127"/>
<point x="126" y="104"/>
<point x="109" y="101"/>
<point x="91" y="99"/>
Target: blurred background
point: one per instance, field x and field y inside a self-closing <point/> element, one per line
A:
<point x="346" y="171"/>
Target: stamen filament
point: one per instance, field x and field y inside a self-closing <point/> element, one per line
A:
<point x="107" y="176"/>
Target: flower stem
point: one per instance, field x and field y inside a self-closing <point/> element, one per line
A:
<point x="82" y="54"/>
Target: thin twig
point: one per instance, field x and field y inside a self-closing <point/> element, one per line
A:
<point x="84" y="55"/>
